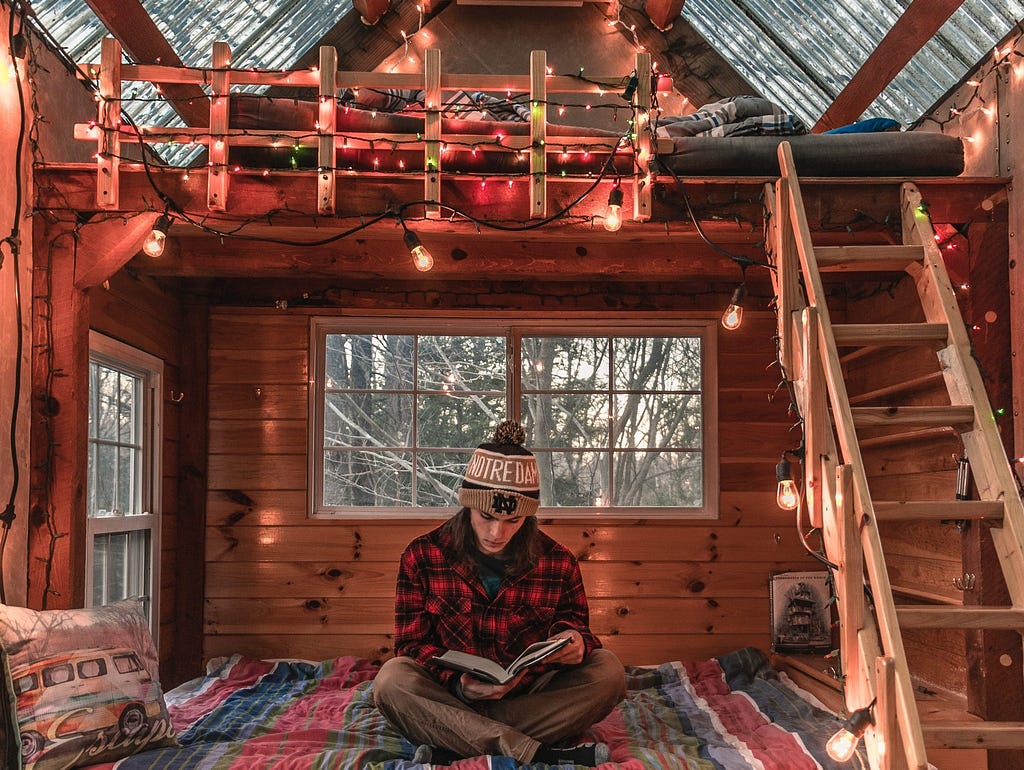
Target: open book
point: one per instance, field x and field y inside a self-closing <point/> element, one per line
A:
<point x="488" y="671"/>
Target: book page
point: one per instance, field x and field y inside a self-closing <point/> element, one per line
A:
<point x="536" y="652"/>
<point x="482" y="668"/>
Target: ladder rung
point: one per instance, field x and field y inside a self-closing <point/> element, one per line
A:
<point x="890" y="334"/>
<point x="866" y="259"/>
<point x="1005" y="618"/>
<point x="916" y="416"/>
<point x="973" y="735"/>
<point x="938" y="510"/>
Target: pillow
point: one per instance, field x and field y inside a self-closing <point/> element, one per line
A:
<point x="80" y="686"/>
<point x="869" y="126"/>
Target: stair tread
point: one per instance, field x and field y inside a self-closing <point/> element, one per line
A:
<point x="870" y="258"/>
<point x="890" y="334"/>
<point x="959" y="617"/>
<point x="941" y="510"/>
<point x="956" y="734"/>
<point x="921" y="416"/>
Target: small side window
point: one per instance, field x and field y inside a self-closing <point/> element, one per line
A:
<point x="58" y="674"/>
<point x="27" y="683"/>
<point x="92" y="668"/>
<point x="127" y="663"/>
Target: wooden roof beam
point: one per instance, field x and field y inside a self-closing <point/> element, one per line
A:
<point x="912" y="30"/>
<point x="129" y="22"/>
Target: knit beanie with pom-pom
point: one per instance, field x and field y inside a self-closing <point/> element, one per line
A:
<point x="501" y="478"/>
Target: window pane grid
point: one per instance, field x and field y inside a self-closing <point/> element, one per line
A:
<point x="122" y="524"/>
<point x="379" y="389"/>
<point x="615" y="420"/>
<point x="115" y="442"/>
<point x="648" y="412"/>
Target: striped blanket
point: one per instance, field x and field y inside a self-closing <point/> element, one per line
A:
<point x="727" y="713"/>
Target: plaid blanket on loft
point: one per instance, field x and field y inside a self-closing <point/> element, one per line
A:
<point x="735" y="116"/>
<point x="728" y="713"/>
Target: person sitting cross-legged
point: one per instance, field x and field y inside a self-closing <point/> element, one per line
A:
<point x="490" y="583"/>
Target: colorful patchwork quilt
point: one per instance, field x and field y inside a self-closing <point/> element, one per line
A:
<point x="727" y="713"/>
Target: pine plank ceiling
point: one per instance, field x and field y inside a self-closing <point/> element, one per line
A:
<point x="829" y="63"/>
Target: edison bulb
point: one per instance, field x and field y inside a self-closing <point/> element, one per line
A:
<point x="613" y="214"/>
<point x="422" y="259"/>
<point x="841" y="745"/>
<point x="787" y="496"/>
<point x="732" y="317"/>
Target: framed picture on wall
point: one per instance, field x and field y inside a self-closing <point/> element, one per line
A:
<point x="800" y="612"/>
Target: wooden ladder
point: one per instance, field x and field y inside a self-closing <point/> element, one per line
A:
<point x="836" y="491"/>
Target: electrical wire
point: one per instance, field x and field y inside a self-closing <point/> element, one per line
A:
<point x="13" y="241"/>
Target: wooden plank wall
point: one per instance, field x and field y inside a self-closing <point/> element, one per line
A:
<point x="280" y="584"/>
<point x="137" y="312"/>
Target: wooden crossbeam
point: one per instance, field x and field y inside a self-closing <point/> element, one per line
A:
<point x="912" y="30"/>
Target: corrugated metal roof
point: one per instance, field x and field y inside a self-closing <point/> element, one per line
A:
<point x="269" y="34"/>
<point x="798" y="54"/>
<point x="801" y="54"/>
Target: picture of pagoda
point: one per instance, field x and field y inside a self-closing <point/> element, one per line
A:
<point x="801" y="618"/>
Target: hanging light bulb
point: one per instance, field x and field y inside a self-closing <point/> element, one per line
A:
<point x="154" y="243"/>
<point x="787" y="495"/>
<point x="842" y="745"/>
<point x="733" y="315"/>
<point x="613" y="215"/>
<point x="421" y="258"/>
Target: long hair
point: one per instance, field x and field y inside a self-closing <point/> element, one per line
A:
<point x="523" y="549"/>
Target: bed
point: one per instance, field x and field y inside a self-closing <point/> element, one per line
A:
<point x="82" y="691"/>
<point x="738" y="136"/>
<point x="726" y="713"/>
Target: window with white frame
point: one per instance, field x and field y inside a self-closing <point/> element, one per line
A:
<point x="621" y="416"/>
<point x="123" y="509"/>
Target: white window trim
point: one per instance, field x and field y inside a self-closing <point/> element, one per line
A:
<point x="151" y="369"/>
<point x="611" y="324"/>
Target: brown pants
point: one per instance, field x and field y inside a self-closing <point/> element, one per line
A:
<point x="424" y="711"/>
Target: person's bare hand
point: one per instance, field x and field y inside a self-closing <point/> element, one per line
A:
<point x="572" y="653"/>
<point x="474" y="689"/>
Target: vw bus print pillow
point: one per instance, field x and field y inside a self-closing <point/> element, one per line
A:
<point x="84" y="683"/>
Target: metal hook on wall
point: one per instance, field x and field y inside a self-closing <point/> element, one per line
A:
<point x="176" y="399"/>
<point x="965" y="583"/>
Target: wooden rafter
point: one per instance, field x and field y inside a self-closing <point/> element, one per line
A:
<point x="912" y="30"/>
<point x="129" y="22"/>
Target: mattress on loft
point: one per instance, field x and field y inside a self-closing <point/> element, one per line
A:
<point x="882" y="154"/>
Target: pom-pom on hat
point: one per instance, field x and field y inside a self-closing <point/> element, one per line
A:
<point x="501" y="478"/>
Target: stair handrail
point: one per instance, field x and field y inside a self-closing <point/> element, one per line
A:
<point x="793" y="235"/>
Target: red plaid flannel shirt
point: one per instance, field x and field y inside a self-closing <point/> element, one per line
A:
<point x="442" y="606"/>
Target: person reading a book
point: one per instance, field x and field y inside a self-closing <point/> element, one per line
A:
<point x="489" y="583"/>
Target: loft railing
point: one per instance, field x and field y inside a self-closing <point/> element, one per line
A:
<point x="109" y="131"/>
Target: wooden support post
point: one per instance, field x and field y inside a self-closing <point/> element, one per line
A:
<point x="60" y="419"/>
<point x="432" y="131"/>
<point x="327" y="122"/>
<point x="849" y="587"/>
<point x="538" y="134"/>
<point x="642" y="180"/>
<point x="787" y="268"/>
<point x="108" y="151"/>
<point x="817" y="423"/>
<point x="220" y="102"/>
<point x="886" y="730"/>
